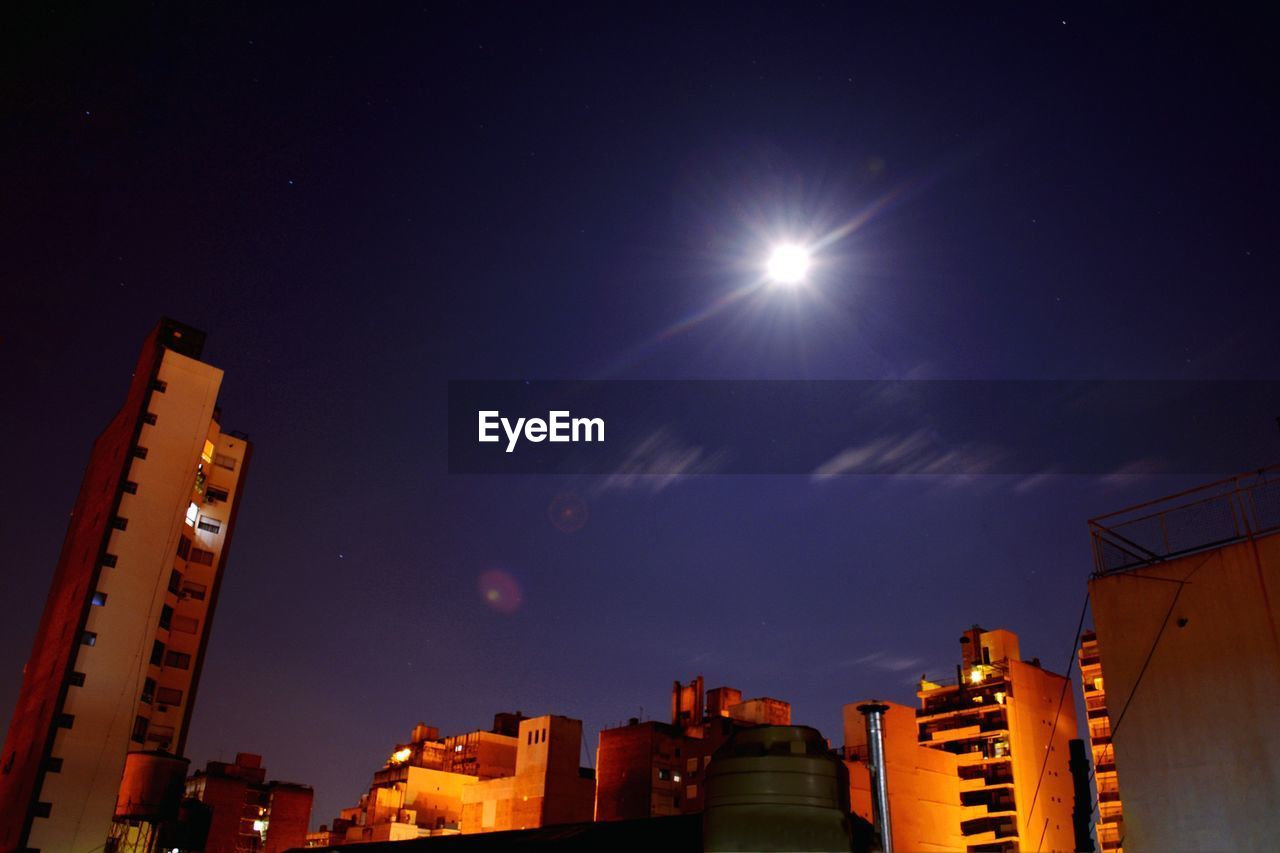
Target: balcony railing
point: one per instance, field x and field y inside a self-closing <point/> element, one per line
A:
<point x="1243" y="507"/>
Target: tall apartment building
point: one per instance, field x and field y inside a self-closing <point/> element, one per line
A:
<point x="116" y="659"/>
<point x="1186" y="606"/>
<point x="1009" y="723"/>
<point x="1109" y="827"/>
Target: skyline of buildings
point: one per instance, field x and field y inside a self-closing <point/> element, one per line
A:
<point x="94" y="754"/>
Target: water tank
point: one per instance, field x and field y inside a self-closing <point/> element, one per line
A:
<point x="152" y="785"/>
<point x="776" y="788"/>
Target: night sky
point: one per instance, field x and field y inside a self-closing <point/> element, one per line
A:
<point x="358" y="205"/>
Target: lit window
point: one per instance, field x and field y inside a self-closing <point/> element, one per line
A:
<point x="207" y="455"/>
<point x="99" y="599"/>
<point x="675" y="778"/>
<point x="193" y="512"/>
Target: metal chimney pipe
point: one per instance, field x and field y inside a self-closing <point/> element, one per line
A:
<point x="874" y="712"/>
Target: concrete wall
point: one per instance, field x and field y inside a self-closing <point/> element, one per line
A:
<point x="924" y="789"/>
<point x="1197" y="749"/>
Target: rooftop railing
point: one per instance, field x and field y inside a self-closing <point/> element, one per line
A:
<point x="1238" y="508"/>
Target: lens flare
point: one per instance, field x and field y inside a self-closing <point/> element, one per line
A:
<point x="568" y="513"/>
<point x="500" y="591"/>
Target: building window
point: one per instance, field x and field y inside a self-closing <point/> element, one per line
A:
<point x="139" y="729"/>
<point x="149" y="418"/>
<point x="130" y="487"/>
<point x="214" y="495"/>
<point x="185" y="624"/>
<point x="148" y="690"/>
<point x="89" y="638"/>
<point x="184" y="547"/>
<point x="223" y="461"/>
<point x="663" y="774"/>
<point x="140" y="452"/>
<point x="76" y="679"/>
<point x="99" y="599"/>
<point x="119" y="523"/>
<point x="157" y="653"/>
<point x="193" y="512"/>
<point x="66" y="721"/>
<point x="169" y="696"/>
<point x="177" y="660"/>
<point x="175" y="582"/>
<point x="166" y="617"/>
<point x="42" y="809"/>
<point x="201" y="557"/>
<point x="208" y="452"/>
<point x="191" y="589"/>
<point x="530" y="741"/>
<point x="161" y="735"/>
<point x="53" y="765"/>
<point x="159" y="385"/>
<point x="109" y="560"/>
<point x="212" y="525"/>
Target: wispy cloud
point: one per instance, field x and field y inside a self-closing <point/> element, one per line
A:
<point x="1127" y="473"/>
<point x="660" y="461"/>
<point x="919" y="452"/>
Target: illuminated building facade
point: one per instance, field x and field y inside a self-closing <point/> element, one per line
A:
<point x="924" y="784"/>
<point x="1009" y="723"/>
<point x="649" y="769"/>
<point x="1186" y="606"/>
<point x="522" y="773"/>
<point x="247" y="813"/>
<point x="1109" y="826"/>
<point x="117" y="655"/>
<point x="548" y="787"/>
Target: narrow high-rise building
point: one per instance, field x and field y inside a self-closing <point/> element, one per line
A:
<point x="117" y="655"/>
<point x="1109" y="826"/>
<point x="1009" y="722"/>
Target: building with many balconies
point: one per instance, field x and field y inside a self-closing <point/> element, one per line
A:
<point x="1009" y="723"/>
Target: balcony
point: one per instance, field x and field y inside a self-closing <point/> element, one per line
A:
<point x="1233" y="510"/>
